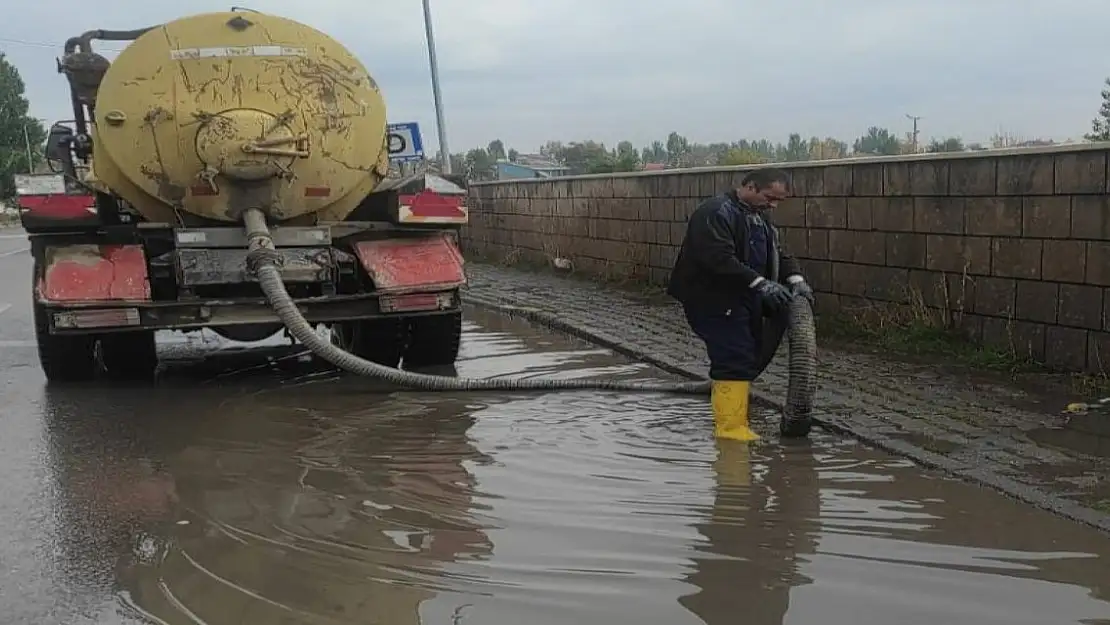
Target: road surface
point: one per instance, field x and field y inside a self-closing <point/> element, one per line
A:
<point x="257" y="488"/>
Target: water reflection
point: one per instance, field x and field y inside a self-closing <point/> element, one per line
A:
<point x="755" y="534"/>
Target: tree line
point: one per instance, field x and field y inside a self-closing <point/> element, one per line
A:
<point x="594" y="157"/>
<point x="22" y="138"/>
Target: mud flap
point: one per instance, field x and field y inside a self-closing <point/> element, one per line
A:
<point x="412" y="265"/>
<point x="93" y="273"/>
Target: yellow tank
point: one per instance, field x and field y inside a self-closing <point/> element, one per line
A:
<point x="218" y="112"/>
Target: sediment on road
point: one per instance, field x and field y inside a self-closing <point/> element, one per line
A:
<point x="982" y="428"/>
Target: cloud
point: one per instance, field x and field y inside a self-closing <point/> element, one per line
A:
<point x="714" y="70"/>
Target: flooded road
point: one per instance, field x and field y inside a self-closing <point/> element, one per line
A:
<point x="285" y="494"/>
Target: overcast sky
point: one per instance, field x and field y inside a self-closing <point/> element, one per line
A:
<point x="527" y="71"/>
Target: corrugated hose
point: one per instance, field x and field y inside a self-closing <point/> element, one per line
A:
<point x="264" y="261"/>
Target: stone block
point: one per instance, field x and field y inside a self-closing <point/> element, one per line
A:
<point x="1064" y="261"/>
<point x="808" y="181"/>
<point x="795" y="241"/>
<point x="896" y="179"/>
<point x="1098" y="263"/>
<point x="859" y="213"/>
<point x="958" y="254"/>
<point x="941" y="215"/>
<point x="892" y="214"/>
<point x="867" y="179"/>
<point x="849" y="280"/>
<point x="1027" y="174"/>
<point x="906" y="249"/>
<point x="993" y="216"/>
<point x="837" y="180"/>
<point x="884" y="283"/>
<point x="826" y="212"/>
<point x="995" y="297"/>
<point x="1066" y="348"/>
<point x="1080" y="306"/>
<point x="868" y="248"/>
<point x="1046" y="216"/>
<point x="973" y="176"/>
<point x="1098" y="352"/>
<point x="929" y="178"/>
<point x="668" y="185"/>
<point x="818" y="244"/>
<point x="1016" y="258"/>
<point x="1106" y="309"/>
<point x="791" y="212"/>
<point x="1036" y="301"/>
<point x="689" y="186"/>
<point x="841" y="245"/>
<point x="819" y="274"/>
<point x="1090" y="217"/>
<point x="661" y="209"/>
<point x="1081" y="172"/>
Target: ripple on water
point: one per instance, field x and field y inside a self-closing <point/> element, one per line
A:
<point x="320" y="504"/>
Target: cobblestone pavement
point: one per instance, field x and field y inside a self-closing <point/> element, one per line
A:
<point x="984" y="430"/>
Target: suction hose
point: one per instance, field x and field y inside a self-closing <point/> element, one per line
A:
<point x="264" y="261"/>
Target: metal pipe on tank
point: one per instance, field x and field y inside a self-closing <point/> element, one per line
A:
<point x="441" y="129"/>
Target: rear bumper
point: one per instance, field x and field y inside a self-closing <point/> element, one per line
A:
<point x="112" y="316"/>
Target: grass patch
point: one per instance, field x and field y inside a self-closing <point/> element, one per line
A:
<point x="918" y="338"/>
<point x="918" y="331"/>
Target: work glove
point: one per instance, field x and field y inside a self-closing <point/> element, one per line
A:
<point x="799" y="287"/>
<point x="775" y="297"/>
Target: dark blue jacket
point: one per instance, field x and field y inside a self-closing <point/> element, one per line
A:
<point x="712" y="271"/>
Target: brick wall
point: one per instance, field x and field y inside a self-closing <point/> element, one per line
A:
<point x="1012" y="246"/>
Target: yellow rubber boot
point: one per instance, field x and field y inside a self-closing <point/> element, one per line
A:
<point x="730" y="410"/>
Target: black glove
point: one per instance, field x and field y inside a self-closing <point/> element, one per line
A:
<point x="775" y="297"/>
<point x="801" y="288"/>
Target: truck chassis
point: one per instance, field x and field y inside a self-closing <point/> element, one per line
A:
<point x="105" y="281"/>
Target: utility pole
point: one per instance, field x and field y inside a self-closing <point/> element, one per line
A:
<point x="914" y="119"/>
<point x="27" y="143"/>
<point x="444" y="153"/>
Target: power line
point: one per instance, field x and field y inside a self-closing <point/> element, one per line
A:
<point x="42" y="44"/>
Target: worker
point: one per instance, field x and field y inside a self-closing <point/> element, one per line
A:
<point x="723" y="278"/>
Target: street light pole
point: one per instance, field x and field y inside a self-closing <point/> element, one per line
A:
<point x="444" y="153"/>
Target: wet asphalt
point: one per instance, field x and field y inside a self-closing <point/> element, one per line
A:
<point x="251" y="486"/>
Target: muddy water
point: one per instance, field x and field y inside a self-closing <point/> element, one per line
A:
<point x="312" y="501"/>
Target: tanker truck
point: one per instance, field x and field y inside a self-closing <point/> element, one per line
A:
<point x="199" y="125"/>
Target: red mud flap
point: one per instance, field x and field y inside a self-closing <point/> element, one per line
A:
<point x="412" y="273"/>
<point x="94" y="273"/>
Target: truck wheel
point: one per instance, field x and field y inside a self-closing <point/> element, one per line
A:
<point x="377" y="340"/>
<point x="129" y="356"/>
<point x="434" y="340"/>
<point x="64" y="358"/>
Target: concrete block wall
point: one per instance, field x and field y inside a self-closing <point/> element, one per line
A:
<point x="1013" y="245"/>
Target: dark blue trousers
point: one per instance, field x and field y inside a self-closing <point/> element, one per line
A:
<point x="732" y="341"/>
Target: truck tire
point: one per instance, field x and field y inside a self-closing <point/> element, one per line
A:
<point x="130" y="356"/>
<point x="378" y="340"/>
<point x="63" y="358"/>
<point x="434" y="340"/>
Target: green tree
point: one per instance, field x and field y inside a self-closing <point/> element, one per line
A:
<point x="1100" y="125"/>
<point x="17" y="129"/>
<point x="877" y="141"/>
<point x="513" y="155"/>
<point x="742" y="156"/>
<point x="951" y="144"/>
<point x="496" y="150"/>
<point x="796" y="149"/>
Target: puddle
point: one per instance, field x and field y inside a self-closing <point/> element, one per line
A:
<point x="273" y="498"/>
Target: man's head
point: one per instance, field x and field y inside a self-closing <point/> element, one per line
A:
<point x="764" y="188"/>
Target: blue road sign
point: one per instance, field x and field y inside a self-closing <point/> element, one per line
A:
<point x="405" y="143"/>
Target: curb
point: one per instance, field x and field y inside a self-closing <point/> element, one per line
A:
<point x="975" y="475"/>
